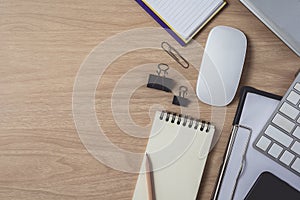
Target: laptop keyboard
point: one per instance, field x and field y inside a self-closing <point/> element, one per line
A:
<point x="280" y="137"/>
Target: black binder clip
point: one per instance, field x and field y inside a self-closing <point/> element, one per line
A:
<point x="161" y="82"/>
<point x="181" y="100"/>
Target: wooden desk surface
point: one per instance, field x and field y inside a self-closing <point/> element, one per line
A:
<point x="43" y="43"/>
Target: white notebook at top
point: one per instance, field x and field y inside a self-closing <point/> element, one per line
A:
<point x="185" y="17"/>
<point x="178" y="148"/>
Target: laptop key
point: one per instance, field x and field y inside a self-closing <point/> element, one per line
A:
<point x="275" y="150"/>
<point x="293" y="97"/>
<point x="296" y="132"/>
<point x="296" y="147"/>
<point x="287" y="157"/>
<point x="263" y="143"/>
<point x="289" y="110"/>
<point x="296" y="165"/>
<point x="297" y="86"/>
<point x="283" y="123"/>
<point x="279" y="135"/>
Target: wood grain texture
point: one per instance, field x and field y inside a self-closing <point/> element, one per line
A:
<point x="44" y="42"/>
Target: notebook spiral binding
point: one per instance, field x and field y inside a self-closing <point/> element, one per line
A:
<point x="186" y="120"/>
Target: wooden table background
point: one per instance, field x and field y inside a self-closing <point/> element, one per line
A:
<point x="43" y="43"/>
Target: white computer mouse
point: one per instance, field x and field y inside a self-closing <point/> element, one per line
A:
<point x="222" y="66"/>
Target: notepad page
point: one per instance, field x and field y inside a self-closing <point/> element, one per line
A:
<point x="185" y="16"/>
<point x="178" y="156"/>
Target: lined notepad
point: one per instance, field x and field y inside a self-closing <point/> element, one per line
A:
<point x="185" y="17"/>
<point x="178" y="147"/>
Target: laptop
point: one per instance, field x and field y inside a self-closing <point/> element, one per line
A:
<point x="282" y="17"/>
<point x="279" y="140"/>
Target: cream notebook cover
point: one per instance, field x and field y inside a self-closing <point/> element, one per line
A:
<point x="178" y="147"/>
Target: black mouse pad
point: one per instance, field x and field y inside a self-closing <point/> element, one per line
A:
<point x="268" y="186"/>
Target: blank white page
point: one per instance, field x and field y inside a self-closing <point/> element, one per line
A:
<point x="185" y="16"/>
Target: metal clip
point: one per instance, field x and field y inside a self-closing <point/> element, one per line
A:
<point x="183" y="91"/>
<point x="162" y="68"/>
<point x="180" y="100"/>
<point x="243" y="155"/>
<point x="175" y="55"/>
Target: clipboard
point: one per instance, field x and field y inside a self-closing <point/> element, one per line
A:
<point x="242" y="164"/>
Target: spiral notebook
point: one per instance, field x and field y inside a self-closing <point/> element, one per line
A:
<point x="178" y="147"/>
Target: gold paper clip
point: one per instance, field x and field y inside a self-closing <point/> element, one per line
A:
<point x="175" y="54"/>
